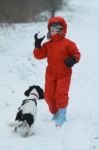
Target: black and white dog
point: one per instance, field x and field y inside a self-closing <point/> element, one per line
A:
<point x="26" y="114"/>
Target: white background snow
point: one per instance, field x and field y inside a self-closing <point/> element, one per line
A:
<point x="19" y="69"/>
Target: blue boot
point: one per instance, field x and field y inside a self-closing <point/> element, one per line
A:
<point x="54" y="116"/>
<point x="61" y="117"/>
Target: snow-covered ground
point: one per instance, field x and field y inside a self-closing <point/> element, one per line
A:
<point x="18" y="70"/>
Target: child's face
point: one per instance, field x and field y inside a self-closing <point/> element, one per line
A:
<point x="53" y="32"/>
<point x="55" y="28"/>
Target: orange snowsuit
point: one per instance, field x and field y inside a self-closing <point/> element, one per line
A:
<point x="58" y="76"/>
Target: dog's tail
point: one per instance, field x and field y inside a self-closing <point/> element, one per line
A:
<point x="15" y="123"/>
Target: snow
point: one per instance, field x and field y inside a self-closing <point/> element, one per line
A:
<point x="19" y="69"/>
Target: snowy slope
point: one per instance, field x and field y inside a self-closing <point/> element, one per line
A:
<point x="18" y="70"/>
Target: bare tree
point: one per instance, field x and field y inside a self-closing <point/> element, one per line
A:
<point x="52" y="6"/>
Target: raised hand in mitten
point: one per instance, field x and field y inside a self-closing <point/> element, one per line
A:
<point x="70" y="61"/>
<point x="38" y="41"/>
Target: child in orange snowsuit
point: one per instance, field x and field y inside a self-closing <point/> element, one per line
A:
<point x="61" y="54"/>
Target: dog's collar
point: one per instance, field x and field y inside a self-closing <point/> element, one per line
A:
<point x="34" y="95"/>
<point x="32" y="99"/>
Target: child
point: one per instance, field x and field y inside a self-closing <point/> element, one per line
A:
<point x="61" y="54"/>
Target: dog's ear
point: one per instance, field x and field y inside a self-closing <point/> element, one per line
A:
<point x="40" y="92"/>
<point x="27" y="92"/>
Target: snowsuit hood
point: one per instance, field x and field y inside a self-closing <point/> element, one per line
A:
<point x="60" y="20"/>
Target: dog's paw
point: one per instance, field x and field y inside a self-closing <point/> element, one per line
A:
<point x="27" y="134"/>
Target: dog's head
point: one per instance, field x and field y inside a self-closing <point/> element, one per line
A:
<point x="38" y="89"/>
